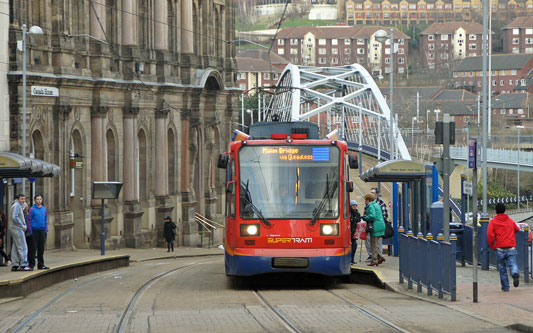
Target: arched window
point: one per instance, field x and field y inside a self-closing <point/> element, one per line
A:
<point x="142" y="160"/>
<point x="112" y="156"/>
<point x="37" y="151"/>
<point x="172" y="162"/>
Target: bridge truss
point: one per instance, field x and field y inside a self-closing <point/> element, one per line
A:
<point x="345" y="98"/>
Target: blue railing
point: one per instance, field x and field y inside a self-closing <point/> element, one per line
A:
<point x="428" y="263"/>
<point x="487" y="256"/>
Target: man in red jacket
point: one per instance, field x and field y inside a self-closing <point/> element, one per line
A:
<point x="501" y="237"/>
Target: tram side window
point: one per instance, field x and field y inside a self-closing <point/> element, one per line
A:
<point x="233" y="194"/>
<point x="344" y="193"/>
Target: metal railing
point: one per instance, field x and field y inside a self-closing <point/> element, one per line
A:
<point x="428" y="263"/>
<point x="488" y="256"/>
<point x="498" y="156"/>
<point x="208" y="227"/>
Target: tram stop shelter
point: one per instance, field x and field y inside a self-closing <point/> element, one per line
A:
<point x="408" y="208"/>
<point x="13" y="165"/>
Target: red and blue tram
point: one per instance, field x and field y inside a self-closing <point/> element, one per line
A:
<point x="287" y="201"/>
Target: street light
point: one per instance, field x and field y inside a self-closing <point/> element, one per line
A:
<point x="427" y="121"/>
<point x="34" y="30"/>
<point x="381" y="36"/>
<point x="518" y="168"/>
<point x="413" y="132"/>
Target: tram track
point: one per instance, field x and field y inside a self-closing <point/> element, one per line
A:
<point x="291" y="326"/>
<point x="125" y="315"/>
<point x="368" y="313"/>
<point x="280" y="315"/>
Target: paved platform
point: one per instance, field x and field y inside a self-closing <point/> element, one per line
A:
<point x="72" y="264"/>
<point x="512" y="309"/>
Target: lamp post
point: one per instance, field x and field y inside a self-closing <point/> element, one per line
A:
<point x="413" y="133"/>
<point x="381" y="36"/>
<point x="427" y="121"/>
<point x="518" y="168"/>
<point x="35" y="30"/>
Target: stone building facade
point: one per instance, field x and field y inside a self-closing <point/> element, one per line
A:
<point x="146" y="97"/>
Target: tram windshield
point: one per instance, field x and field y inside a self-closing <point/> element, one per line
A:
<point x="289" y="182"/>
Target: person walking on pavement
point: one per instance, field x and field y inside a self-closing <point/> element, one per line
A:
<point x="38" y="225"/>
<point x="385" y="214"/>
<point x="374" y="217"/>
<point x="17" y="227"/>
<point x="501" y="237"/>
<point x="169" y="232"/>
<point x="355" y="217"/>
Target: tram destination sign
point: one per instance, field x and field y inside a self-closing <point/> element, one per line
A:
<point x="299" y="153"/>
<point x="44" y="91"/>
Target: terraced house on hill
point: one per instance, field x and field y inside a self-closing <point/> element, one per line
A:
<point x="442" y="44"/>
<point x="510" y="73"/>
<point x="518" y="35"/>
<point x="342" y="45"/>
<point x="426" y="11"/>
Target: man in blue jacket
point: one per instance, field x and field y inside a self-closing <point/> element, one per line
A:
<point x="38" y="220"/>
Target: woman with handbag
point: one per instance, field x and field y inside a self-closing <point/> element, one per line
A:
<point x="376" y="227"/>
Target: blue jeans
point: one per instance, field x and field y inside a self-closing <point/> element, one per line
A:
<point x="354" y="248"/>
<point x="507" y="259"/>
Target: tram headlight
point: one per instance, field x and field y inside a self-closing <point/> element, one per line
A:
<point x="329" y="229"/>
<point x="249" y="230"/>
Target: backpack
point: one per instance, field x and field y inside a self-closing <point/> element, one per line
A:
<point x="389" y="230"/>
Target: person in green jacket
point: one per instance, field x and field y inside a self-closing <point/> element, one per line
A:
<point x="374" y="217"/>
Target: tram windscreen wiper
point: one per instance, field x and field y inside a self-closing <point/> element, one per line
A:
<point x="327" y="195"/>
<point x="252" y="206"/>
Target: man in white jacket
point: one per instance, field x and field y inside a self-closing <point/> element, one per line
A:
<point x="17" y="228"/>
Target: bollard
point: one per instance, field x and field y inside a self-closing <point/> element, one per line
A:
<point x="429" y="236"/>
<point x="410" y="233"/>
<point x="401" y="230"/>
<point x="440" y="237"/>
<point x="484" y="247"/>
<point x="436" y="221"/>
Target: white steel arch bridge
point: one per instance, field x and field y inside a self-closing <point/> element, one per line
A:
<point x="345" y="98"/>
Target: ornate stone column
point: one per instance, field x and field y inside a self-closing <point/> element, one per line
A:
<point x="161" y="24"/>
<point x="133" y="212"/>
<point x="98" y="117"/>
<point x="129" y="22"/>
<point x="189" y="226"/>
<point x="97" y="14"/>
<point x="64" y="218"/>
<point x="187" y="36"/>
<point x="163" y="202"/>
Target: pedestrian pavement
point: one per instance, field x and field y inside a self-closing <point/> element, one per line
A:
<point x="513" y="309"/>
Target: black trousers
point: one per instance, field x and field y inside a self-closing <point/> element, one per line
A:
<point x="39" y="238"/>
<point x="31" y="250"/>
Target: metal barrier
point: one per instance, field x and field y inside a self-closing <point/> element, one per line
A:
<point x="487" y="255"/>
<point x="428" y="263"/>
<point x="209" y="227"/>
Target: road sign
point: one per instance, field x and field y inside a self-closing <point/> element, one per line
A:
<point x="440" y="166"/>
<point x="44" y="91"/>
<point x="472" y="153"/>
<point x="467" y="188"/>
